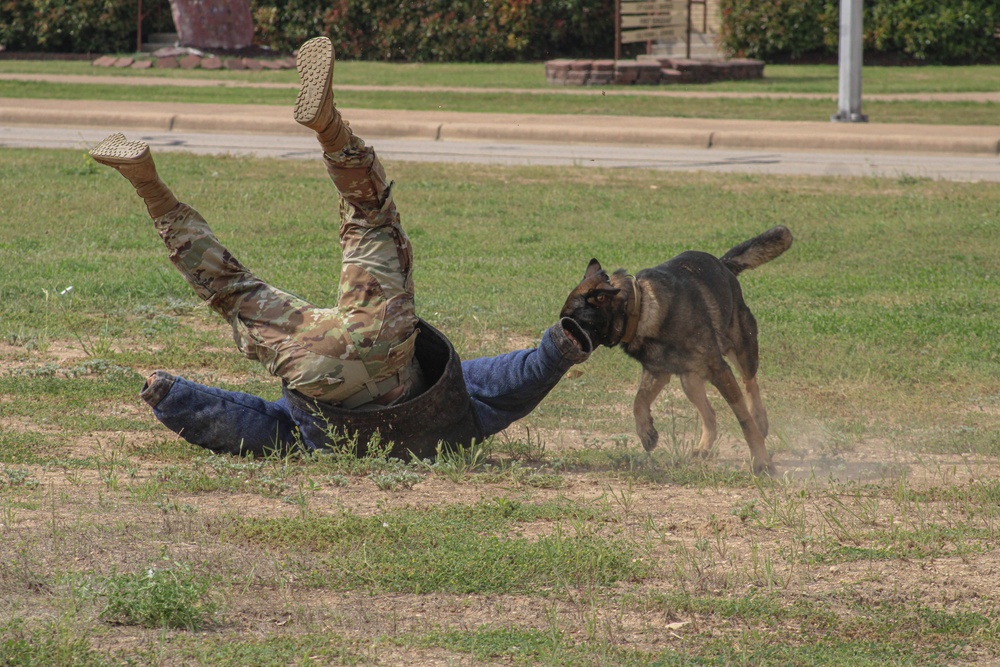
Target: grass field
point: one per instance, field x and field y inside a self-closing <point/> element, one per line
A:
<point x="504" y="82"/>
<point x="557" y="543"/>
<point x="778" y="78"/>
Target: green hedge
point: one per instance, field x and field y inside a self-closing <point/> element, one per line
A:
<point x="441" y="30"/>
<point x="79" y="26"/>
<point x="932" y="31"/>
<point x="929" y="31"/>
<point x="418" y="30"/>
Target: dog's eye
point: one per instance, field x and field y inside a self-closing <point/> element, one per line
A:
<point x="600" y="298"/>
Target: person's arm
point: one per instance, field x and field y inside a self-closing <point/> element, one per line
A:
<point x="505" y="388"/>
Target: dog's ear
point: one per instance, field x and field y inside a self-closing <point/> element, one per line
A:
<point x="592" y="268"/>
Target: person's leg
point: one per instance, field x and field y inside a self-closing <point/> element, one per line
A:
<point x="376" y="292"/>
<point x="264" y="319"/>
<point x="223" y="421"/>
<point x="376" y="286"/>
<point x="362" y="350"/>
<point x="205" y="264"/>
<point x="133" y="161"/>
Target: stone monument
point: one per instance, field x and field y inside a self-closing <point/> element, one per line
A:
<point x="213" y="24"/>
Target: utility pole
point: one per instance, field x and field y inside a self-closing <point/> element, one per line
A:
<point x="851" y="36"/>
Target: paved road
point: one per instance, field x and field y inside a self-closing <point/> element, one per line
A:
<point x="956" y="168"/>
<point x="961" y="153"/>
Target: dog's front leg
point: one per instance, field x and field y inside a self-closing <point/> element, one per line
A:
<point x="650" y="387"/>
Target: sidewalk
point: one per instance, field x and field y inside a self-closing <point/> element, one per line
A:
<point x="982" y="141"/>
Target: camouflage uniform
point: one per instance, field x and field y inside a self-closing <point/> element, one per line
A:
<point x="346" y="355"/>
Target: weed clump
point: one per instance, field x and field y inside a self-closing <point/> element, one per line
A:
<point x="172" y="597"/>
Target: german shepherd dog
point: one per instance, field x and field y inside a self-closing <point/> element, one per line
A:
<point x="685" y="317"/>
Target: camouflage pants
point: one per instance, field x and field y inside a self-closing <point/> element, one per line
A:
<point x="329" y="354"/>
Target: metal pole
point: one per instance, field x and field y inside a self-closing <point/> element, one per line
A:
<point x="849" y="90"/>
<point x="688" y="45"/>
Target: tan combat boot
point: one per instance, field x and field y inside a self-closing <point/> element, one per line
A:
<point x="315" y="108"/>
<point x="133" y="160"/>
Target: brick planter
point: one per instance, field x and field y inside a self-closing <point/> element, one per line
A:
<point x="649" y="70"/>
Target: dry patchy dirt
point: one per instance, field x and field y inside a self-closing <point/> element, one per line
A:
<point x="707" y="539"/>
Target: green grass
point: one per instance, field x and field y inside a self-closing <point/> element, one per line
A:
<point x="48" y="643"/>
<point x="775" y="632"/>
<point x="452" y="549"/>
<point x="316" y="649"/>
<point x="777" y="78"/>
<point x="161" y="597"/>
<point x="916" y="325"/>
<point x="558" y="545"/>
<point x="529" y="646"/>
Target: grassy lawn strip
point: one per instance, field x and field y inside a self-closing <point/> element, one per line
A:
<point x="949" y="113"/>
<point x="778" y="78"/>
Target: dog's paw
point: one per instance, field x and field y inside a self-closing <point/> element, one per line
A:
<point x="649" y="438"/>
<point x="764" y="468"/>
<point x="700" y="453"/>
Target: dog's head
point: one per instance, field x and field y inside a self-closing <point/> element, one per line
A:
<point x="594" y="307"/>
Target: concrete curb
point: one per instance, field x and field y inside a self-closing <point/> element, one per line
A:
<point x="450" y="126"/>
<point x="578" y="132"/>
<point x="887" y="142"/>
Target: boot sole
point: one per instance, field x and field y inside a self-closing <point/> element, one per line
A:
<point x="315" y="66"/>
<point x="117" y="150"/>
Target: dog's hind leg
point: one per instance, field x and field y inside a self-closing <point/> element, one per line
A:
<point x="726" y="383"/>
<point x="650" y="387"/>
<point x="694" y="389"/>
<point x="753" y="392"/>
<point x="756" y="405"/>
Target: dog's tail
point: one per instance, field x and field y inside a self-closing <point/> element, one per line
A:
<point x="758" y="250"/>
